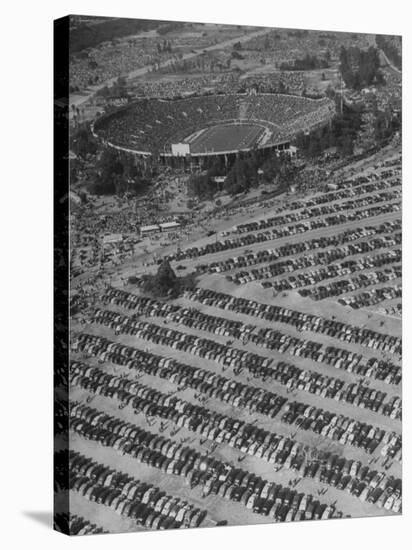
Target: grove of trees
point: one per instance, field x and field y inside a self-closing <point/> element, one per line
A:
<point x="117" y="173"/>
<point x="243" y="172"/>
<point x="163" y="283"/>
<point x="341" y="133"/>
<point x="85" y="35"/>
<point x="360" y="68"/>
<point x="82" y="142"/>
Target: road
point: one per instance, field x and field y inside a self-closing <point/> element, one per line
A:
<point x="388" y="62"/>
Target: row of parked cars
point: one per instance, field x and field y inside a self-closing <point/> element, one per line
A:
<point x="75" y="525"/>
<point x="268" y="338"/>
<point x="372" y="297"/>
<point x="286" y="374"/>
<point x="272" y="339"/>
<point x="339" y="251"/>
<point x="343" y="286"/>
<point x="323" y="210"/>
<point x="332" y="425"/>
<point x="347" y="188"/>
<point x="330" y="270"/>
<point x="392" y="446"/>
<point x="204" y="381"/>
<point x="281" y="451"/>
<point x="331" y="220"/>
<point x="214" y="476"/>
<point x="301" y="321"/>
<point x="142" y="502"/>
<point x="339" y="358"/>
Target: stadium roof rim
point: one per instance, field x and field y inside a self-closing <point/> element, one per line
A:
<point x="272" y="145"/>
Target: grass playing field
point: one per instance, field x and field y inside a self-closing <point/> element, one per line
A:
<point x="226" y="137"/>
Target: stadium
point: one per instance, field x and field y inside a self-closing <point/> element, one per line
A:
<point x="214" y="125"/>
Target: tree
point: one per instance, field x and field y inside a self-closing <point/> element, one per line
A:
<point x="83" y="142"/>
<point x="360" y="68"/>
<point x="163" y="283"/>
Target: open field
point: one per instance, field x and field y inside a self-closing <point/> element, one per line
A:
<point x="226" y="137"/>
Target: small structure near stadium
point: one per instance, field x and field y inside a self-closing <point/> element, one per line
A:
<point x="169" y="226"/>
<point x="112" y="239"/>
<point x="149" y="230"/>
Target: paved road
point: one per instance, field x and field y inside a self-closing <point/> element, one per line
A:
<point x="388" y="62"/>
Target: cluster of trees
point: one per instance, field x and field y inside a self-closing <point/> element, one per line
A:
<point x="202" y="186"/>
<point x="386" y="123"/>
<point x="391" y="51"/>
<point x="117" y="173"/>
<point x="242" y="176"/>
<point x="172" y="26"/>
<point x="344" y="131"/>
<point x="165" y="46"/>
<point x="82" y="142"/>
<point x="165" y="283"/>
<point x="307" y="63"/>
<point x="243" y="172"/>
<point x="360" y="68"/>
<point x="298" y="33"/>
<point x="341" y="133"/>
<point x="89" y="36"/>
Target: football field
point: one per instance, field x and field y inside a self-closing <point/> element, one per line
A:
<point x="226" y="137"/>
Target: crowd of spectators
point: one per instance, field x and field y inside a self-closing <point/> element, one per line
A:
<point x="152" y="125"/>
<point x="218" y="83"/>
<point x="123" y="56"/>
<point x="286" y="45"/>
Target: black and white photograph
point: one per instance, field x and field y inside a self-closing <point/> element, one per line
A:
<point x="234" y="233"/>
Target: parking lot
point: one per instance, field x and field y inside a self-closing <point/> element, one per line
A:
<point x="271" y="392"/>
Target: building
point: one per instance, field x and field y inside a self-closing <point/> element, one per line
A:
<point x="169" y="226"/>
<point x="149" y="230"/>
<point x="112" y="239"/>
